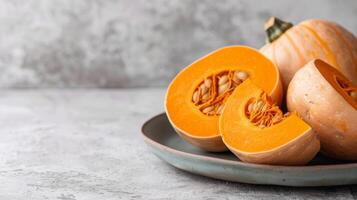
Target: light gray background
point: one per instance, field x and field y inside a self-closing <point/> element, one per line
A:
<point x="134" y="43"/>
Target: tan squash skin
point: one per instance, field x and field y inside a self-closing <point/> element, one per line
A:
<point x="313" y="39"/>
<point x="297" y="152"/>
<point x="326" y="110"/>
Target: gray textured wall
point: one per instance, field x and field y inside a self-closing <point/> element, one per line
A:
<point x="129" y="43"/>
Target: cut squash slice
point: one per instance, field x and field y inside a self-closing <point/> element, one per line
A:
<point x="267" y="137"/>
<point x="197" y="95"/>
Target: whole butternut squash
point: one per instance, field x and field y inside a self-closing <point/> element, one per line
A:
<point x="291" y="47"/>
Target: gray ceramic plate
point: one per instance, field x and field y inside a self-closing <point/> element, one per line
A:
<point x="168" y="146"/>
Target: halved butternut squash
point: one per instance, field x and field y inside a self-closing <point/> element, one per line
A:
<point x="327" y="100"/>
<point x="256" y="131"/>
<point x="197" y="95"/>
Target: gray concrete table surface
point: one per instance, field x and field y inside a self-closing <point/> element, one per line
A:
<point x="86" y="144"/>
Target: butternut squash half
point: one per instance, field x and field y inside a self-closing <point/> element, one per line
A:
<point x="327" y="100"/>
<point x="257" y="131"/>
<point x="197" y="95"/>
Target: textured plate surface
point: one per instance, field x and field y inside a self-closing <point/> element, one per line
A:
<point x="167" y="145"/>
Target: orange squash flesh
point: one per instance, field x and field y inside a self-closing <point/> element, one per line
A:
<point x="335" y="78"/>
<point x="270" y="145"/>
<point x="202" y="130"/>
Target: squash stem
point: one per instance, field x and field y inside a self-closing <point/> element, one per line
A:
<point x="275" y="27"/>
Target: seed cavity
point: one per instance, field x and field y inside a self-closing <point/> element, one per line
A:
<point x="211" y="94"/>
<point x="348" y="88"/>
<point x="263" y="113"/>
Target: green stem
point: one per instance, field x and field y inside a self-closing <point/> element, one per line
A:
<point x="275" y="27"/>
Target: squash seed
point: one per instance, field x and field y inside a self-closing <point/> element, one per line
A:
<point x="205" y="97"/>
<point x="207" y="109"/>
<point x="204" y="89"/>
<point x="223" y="80"/>
<point x="242" y="75"/>
<point x="250" y="107"/>
<point x="208" y="83"/>
<point x="223" y="88"/>
<point x="353" y="94"/>
<point x="196" y="97"/>
<point x="262" y="126"/>
<point x="220" y="109"/>
<point x="259" y="104"/>
<point x="236" y="80"/>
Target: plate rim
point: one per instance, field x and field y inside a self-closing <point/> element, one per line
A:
<point x="152" y="142"/>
